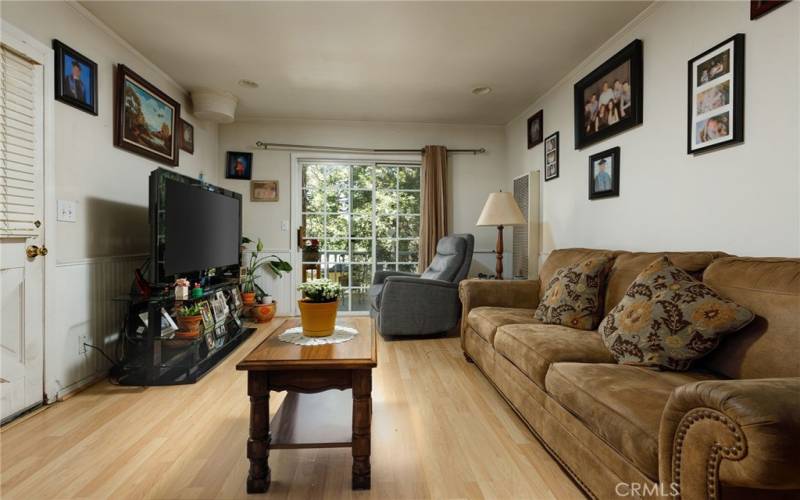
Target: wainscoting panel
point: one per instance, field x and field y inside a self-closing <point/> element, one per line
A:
<point x="85" y="311"/>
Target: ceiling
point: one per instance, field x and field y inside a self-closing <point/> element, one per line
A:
<point x="382" y="61"/>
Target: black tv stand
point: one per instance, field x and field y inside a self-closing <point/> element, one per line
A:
<point x="152" y="359"/>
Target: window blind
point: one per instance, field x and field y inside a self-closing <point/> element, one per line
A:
<point x="20" y="145"/>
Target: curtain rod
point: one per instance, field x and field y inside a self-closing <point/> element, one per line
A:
<point x="335" y="149"/>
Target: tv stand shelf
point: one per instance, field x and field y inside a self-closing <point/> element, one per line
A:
<point x="151" y="359"/>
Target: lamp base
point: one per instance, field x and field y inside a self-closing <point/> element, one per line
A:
<point x="498" y="268"/>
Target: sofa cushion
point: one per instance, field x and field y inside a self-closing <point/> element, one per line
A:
<point x="668" y="319"/>
<point x="486" y="320"/>
<point x="627" y="267"/>
<point x="573" y="296"/>
<point x="374" y="294"/>
<point x="533" y="348"/>
<point x="567" y="257"/>
<point x="620" y="404"/>
<point x="770" y="345"/>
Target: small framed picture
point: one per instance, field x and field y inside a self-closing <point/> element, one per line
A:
<point x="604" y="174"/>
<point x="205" y="311"/>
<point x="535" y="128"/>
<point x="759" y="8"/>
<point x="187" y="136"/>
<point x="239" y="165"/>
<point x="219" y="331"/>
<point x="263" y="190"/>
<point x="236" y="296"/>
<point x="237" y="319"/>
<point x="224" y="301"/>
<point x="210" y="340"/>
<point x="76" y="78"/>
<point x="716" y="96"/>
<point x="219" y="310"/>
<point x="551" y="157"/>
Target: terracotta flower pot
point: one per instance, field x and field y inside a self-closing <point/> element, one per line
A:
<point x="249" y="298"/>
<point x="318" y="318"/>
<point x="263" y="313"/>
<point x="189" y="325"/>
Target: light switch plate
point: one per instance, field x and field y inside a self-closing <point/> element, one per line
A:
<point x="67" y="211"/>
<point x="285" y="225"/>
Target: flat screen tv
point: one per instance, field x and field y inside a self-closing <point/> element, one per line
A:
<point x="194" y="227"/>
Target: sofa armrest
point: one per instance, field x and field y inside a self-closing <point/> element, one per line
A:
<point x="741" y="433"/>
<point x="497" y="293"/>
<point x="380" y="276"/>
<point x="418" y="305"/>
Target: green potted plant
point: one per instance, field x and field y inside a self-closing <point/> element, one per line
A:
<point x="318" y="306"/>
<point x="189" y="318"/>
<point x="276" y="265"/>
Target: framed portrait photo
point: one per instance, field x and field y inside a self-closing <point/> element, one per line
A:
<point x="535" y="128"/>
<point x="716" y="96"/>
<point x="205" y="312"/>
<point x="239" y="165"/>
<point x="76" y="78"/>
<point x="604" y="174"/>
<point x="551" y="157"/>
<point x="609" y="99"/>
<point x="759" y="8"/>
<point x="146" y="119"/>
<point x="187" y="137"/>
<point x="263" y="190"/>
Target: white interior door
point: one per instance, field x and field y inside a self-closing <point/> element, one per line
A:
<point x="21" y="232"/>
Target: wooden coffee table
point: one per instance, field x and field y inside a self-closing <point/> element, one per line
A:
<point x="309" y="417"/>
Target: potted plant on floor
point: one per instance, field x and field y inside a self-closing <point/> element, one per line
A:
<point x="318" y="307"/>
<point x="189" y="318"/>
<point x="276" y="265"/>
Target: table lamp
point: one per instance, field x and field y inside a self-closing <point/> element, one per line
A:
<point x="500" y="210"/>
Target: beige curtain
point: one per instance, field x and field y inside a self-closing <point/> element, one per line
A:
<point x="434" y="202"/>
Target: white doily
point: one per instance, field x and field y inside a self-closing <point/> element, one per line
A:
<point x="295" y="336"/>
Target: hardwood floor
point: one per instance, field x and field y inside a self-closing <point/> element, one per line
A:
<point x="439" y="430"/>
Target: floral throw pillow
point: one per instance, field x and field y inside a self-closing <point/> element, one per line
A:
<point x="667" y="319"/>
<point x="573" y="296"/>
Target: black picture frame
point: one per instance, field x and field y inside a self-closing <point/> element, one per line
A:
<point x="67" y="58"/>
<point x="551" y="165"/>
<point x="627" y="118"/>
<point x="187" y="142"/>
<point x="727" y="87"/>
<point x="232" y="171"/>
<point x="127" y="131"/>
<point x="759" y="8"/>
<point x="594" y="191"/>
<point x="535" y="135"/>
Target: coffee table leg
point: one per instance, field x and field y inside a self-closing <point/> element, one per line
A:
<point x="258" y="444"/>
<point x="362" y="422"/>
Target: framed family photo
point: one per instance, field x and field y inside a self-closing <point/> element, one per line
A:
<point x="239" y="165"/>
<point x="551" y="157"/>
<point x="263" y="190"/>
<point x="146" y="119"/>
<point x="716" y="96"/>
<point x="535" y="129"/>
<point x="187" y="136"/>
<point x="609" y="99"/>
<point x="76" y="78"/>
<point x="604" y="174"/>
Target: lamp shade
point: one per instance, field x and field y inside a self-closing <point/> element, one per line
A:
<point x="501" y="209"/>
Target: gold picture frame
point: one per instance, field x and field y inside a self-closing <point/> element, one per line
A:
<point x="262" y="191"/>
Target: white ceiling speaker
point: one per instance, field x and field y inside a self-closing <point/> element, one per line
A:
<point x="214" y="105"/>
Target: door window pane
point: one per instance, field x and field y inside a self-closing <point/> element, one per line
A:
<point x="385" y="202"/>
<point x="409" y="177"/>
<point x="409" y="202"/>
<point x="409" y="226"/>
<point x="408" y="251"/>
<point x="338" y="226"/>
<point x="313" y="200"/>
<point x="361" y="250"/>
<point x="362" y="177"/>
<point x="386" y="177"/>
<point x="361" y="275"/>
<point x="314" y="225"/>
<point x="362" y="202"/>
<point x="361" y="226"/>
<point x="386" y="251"/>
<point x="386" y="226"/>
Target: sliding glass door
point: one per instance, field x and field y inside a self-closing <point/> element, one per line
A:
<point x="358" y="217"/>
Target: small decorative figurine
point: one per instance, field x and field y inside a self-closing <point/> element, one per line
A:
<point x="181" y="289"/>
<point x="197" y="291"/>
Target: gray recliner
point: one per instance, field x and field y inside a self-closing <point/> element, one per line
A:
<point x="414" y="304"/>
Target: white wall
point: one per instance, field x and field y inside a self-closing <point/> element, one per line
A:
<point x="471" y="177"/>
<point x="742" y="199"/>
<point x="110" y="186"/>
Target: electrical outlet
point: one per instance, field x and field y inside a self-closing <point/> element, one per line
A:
<point x="82" y="341"/>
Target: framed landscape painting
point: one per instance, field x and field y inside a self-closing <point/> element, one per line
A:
<point x="609" y="99"/>
<point x="187" y="136"/>
<point x="716" y="96"/>
<point x="146" y="119"/>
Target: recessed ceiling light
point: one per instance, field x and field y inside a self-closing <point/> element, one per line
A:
<point x="481" y="90"/>
<point x="250" y="84"/>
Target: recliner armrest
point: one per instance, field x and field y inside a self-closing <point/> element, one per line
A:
<point x="411" y="304"/>
<point x="380" y="276"/>
<point x="743" y="433"/>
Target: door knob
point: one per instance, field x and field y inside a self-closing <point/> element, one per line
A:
<point x="34" y="251"/>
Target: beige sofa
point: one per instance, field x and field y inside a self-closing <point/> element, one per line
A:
<point x="729" y="427"/>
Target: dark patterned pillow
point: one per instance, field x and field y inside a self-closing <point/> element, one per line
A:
<point x="573" y="296"/>
<point x="668" y="319"/>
